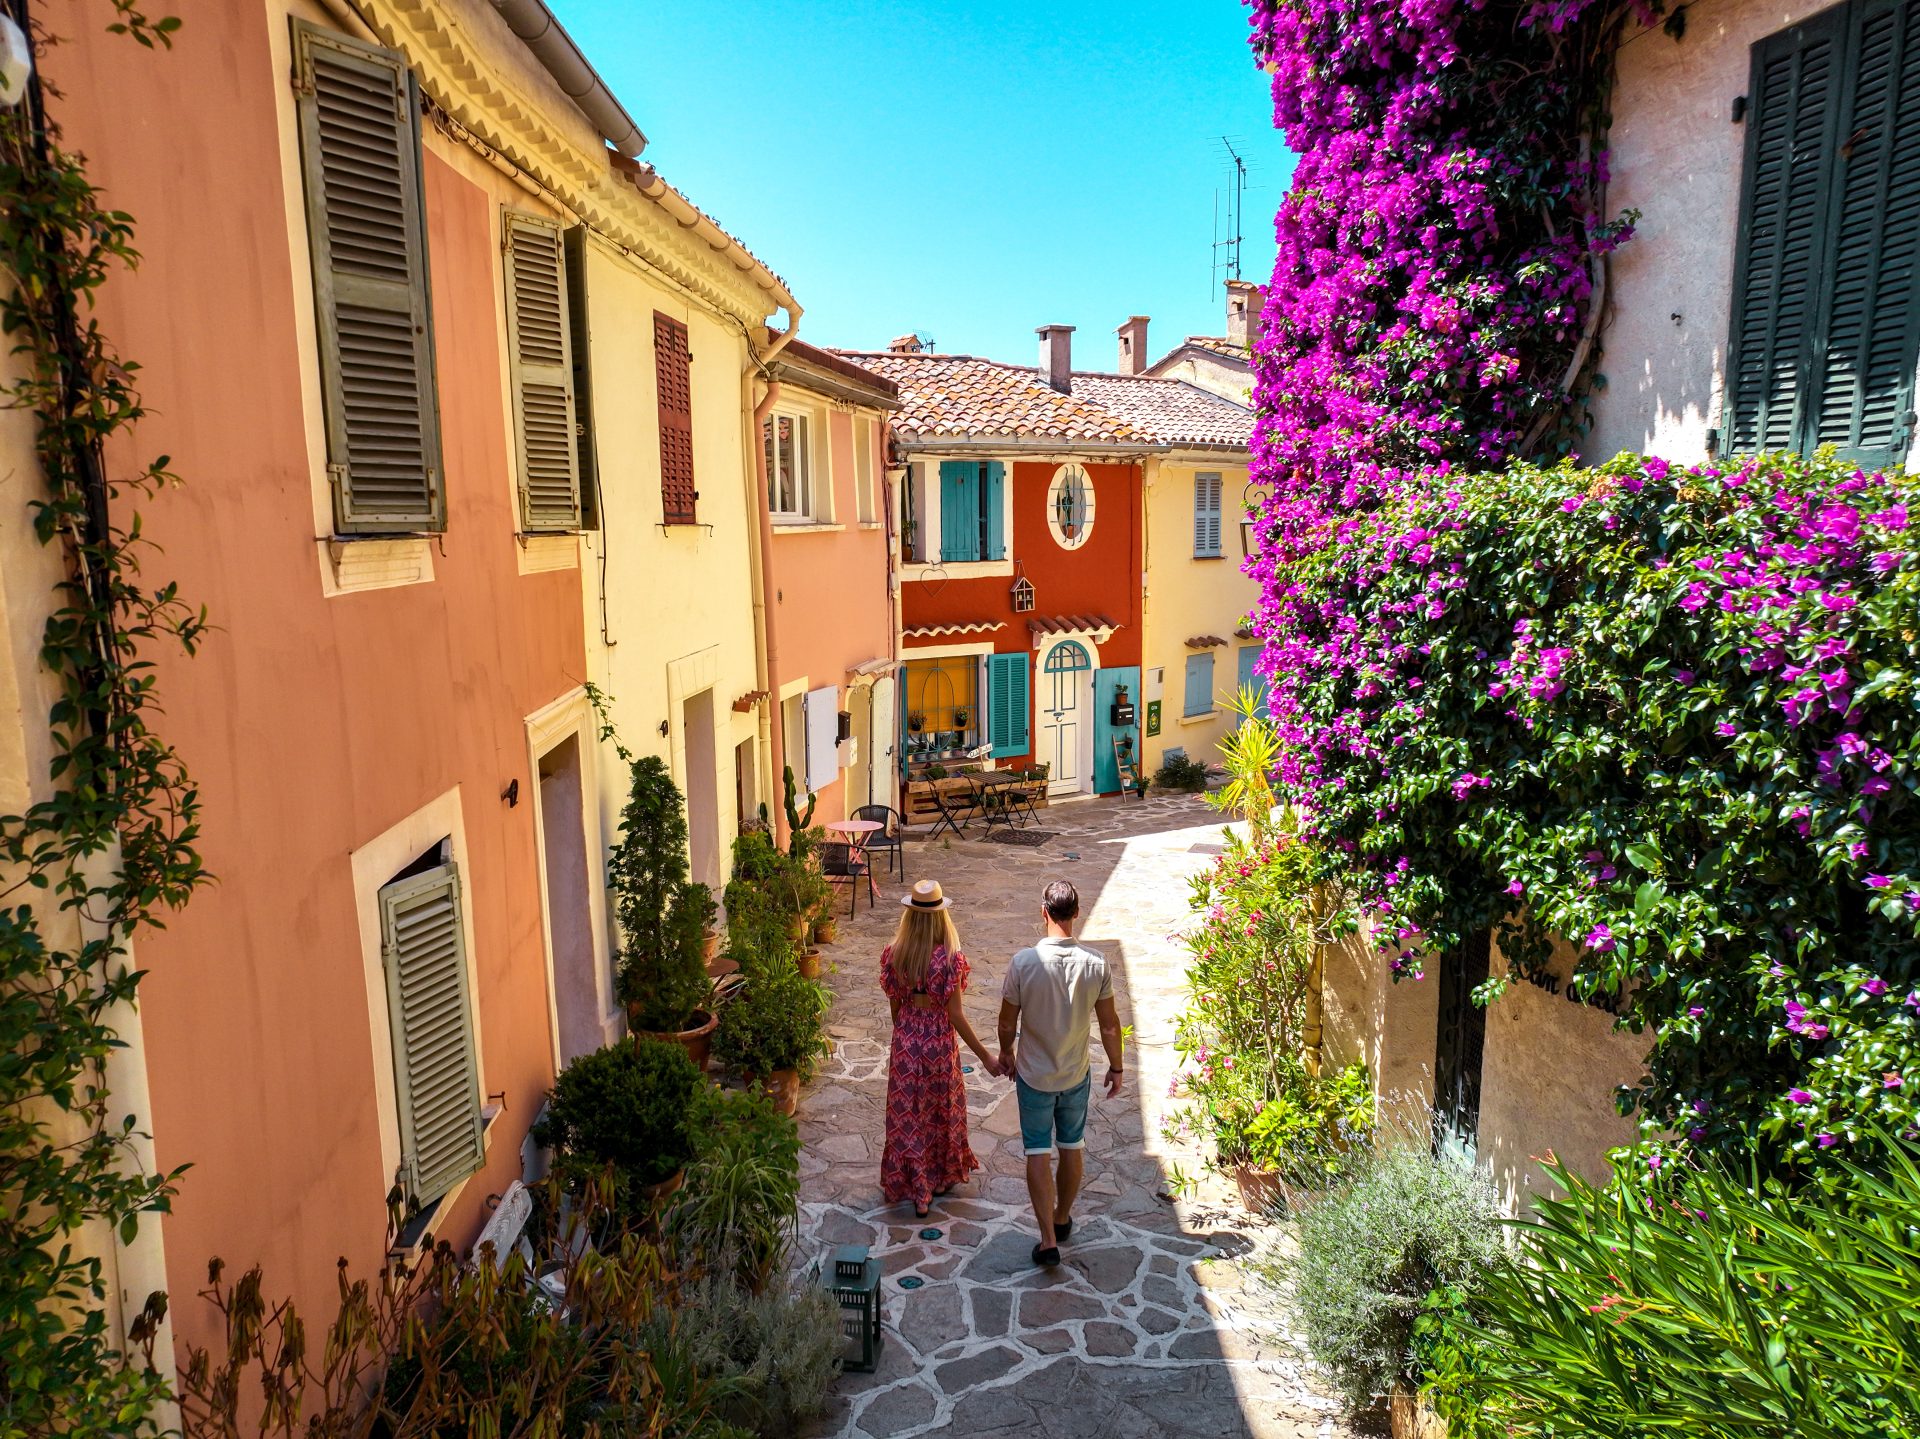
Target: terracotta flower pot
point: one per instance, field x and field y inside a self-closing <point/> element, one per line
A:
<point x="800" y="929"/>
<point x="697" y="1040"/>
<point x="809" y="962"/>
<point x="710" y="945"/>
<point x="654" y="1193"/>
<point x="783" y="1088"/>
<point x="1260" y="1189"/>
<point x="827" y="930"/>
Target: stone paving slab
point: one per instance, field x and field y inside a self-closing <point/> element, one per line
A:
<point x="1145" y="1329"/>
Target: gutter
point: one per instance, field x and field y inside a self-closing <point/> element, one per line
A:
<point x="688" y="216"/>
<point x="772" y="736"/>
<point x="535" y="27"/>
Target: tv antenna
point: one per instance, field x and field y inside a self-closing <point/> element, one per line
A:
<point x="1226" y="252"/>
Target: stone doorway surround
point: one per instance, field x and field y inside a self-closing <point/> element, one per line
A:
<point x="1148" y="1329"/>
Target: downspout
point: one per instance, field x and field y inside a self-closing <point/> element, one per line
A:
<point x="772" y="735"/>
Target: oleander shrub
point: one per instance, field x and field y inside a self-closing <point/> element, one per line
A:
<point x="1403" y="1223"/>
<point x="1667" y="713"/>
<point x="1696" y="1299"/>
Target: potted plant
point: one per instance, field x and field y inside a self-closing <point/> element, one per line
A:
<point x="663" y="918"/>
<point x="773" y="1032"/>
<point x="627" y="1110"/>
<point x="960" y="716"/>
<point x="916" y="723"/>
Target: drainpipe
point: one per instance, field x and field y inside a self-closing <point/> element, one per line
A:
<point x="772" y="731"/>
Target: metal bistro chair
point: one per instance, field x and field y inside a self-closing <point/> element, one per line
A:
<point x="956" y="808"/>
<point x="841" y="865"/>
<point x="892" y="839"/>
<point x="991" y="797"/>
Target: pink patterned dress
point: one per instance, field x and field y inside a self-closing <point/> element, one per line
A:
<point x="927" y="1147"/>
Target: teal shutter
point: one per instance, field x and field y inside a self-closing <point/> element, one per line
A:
<point x="959" y="511"/>
<point x="991" y="500"/>
<point x="1249" y="657"/>
<point x="1009" y="704"/>
<point x="1863" y="384"/>
<point x="1199" y="684"/>
<point x="1206" y="516"/>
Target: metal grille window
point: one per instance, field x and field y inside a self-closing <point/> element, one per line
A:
<point x="673" y="369"/>
<point x="1070" y="507"/>
<point x="1826" y="321"/>
<point x="436" y="1073"/>
<point x="540" y="361"/>
<point x="359" y="122"/>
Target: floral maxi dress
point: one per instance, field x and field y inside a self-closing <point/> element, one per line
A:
<point x="927" y="1147"/>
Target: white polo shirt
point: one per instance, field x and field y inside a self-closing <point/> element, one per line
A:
<point x="1056" y="985"/>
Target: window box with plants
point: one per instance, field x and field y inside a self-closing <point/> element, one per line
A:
<point x="664" y="917"/>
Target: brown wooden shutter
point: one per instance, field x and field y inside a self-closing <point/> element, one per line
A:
<point x="366" y="228"/>
<point x="673" y="367"/>
<point x="539" y="358"/>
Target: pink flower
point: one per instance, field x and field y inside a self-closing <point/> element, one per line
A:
<point x="1799" y="1096"/>
<point x="1515" y="887"/>
<point x="1600" y="939"/>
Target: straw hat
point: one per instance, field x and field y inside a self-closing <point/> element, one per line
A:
<point x="925" y="895"/>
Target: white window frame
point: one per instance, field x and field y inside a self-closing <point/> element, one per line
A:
<point x="806" y="507"/>
<point x="866" y="507"/>
<point x="1062" y="477"/>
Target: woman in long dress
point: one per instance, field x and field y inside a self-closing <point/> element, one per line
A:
<point x="924" y="975"/>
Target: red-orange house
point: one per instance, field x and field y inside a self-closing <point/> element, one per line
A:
<point x="1019" y="524"/>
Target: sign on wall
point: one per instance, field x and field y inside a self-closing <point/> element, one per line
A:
<point x="1153" y="717"/>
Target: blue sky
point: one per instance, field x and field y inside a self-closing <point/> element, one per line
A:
<point x="968" y="170"/>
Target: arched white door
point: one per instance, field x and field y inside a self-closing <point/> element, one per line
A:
<point x="1065" y="691"/>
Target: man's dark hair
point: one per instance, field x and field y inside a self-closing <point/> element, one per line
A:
<point x="1061" y="901"/>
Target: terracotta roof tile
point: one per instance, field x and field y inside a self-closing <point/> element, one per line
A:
<point x="1172" y="411"/>
<point x="963" y="397"/>
<point x="1071" y="625"/>
<point x="1205" y="642"/>
<point x="1218" y="345"/>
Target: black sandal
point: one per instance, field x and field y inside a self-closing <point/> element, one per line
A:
<point x="1062" y="1229"/>
<point x="920" y="1211"/>
<point x="1046" y="1258"/>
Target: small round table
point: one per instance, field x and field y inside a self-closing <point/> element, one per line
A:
<point x="856" y="833"/>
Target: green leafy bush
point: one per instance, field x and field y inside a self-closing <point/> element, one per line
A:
<point x="629" y="1107"/>
<point x="762" y="1362"/>
<point x="741" y="1202"/>
<point x="1181" y="772"/>
<point x="1668" y="714"/>
<point x="778" y="1019"/>
<point x="1404" y="1222"/>
<point x="1691" y="1300"/>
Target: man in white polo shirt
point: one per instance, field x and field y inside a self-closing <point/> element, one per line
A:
<point x="1052" y="995"/>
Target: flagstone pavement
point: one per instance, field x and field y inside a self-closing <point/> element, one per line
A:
<point x="1147" y="1329"/>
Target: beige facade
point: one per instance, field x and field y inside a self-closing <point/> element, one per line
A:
<point x="1676" y="158"/>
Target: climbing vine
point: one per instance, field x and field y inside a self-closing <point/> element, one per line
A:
<point x="106" y="840"/>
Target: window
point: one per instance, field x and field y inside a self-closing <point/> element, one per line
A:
<point x="540" y="363"/>
<point x="789" y="444"/>
<point x="1008" y="704"/>
<point x="359" y="150"/>
<point x="1199" y="685"/>
<point x="943" y="706"/>
<point x="1206" y="516"/>
<point x="673" y="376"/>
<point x="866" y="504"/>
<point x="972" y="513"/>
<point x="1826" y="314"/>
<point x="436" y="1075"/>
<point x="1070" y="507"/>
<point x="913" y="541"/>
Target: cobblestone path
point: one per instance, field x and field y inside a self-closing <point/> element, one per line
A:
<point x="1146" y="1329"/>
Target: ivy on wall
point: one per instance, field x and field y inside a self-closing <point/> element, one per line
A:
<point x="110" y="845"/>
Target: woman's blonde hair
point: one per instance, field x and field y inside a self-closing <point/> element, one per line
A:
<point x="921" y="931"/>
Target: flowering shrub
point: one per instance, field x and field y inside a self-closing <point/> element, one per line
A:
<point x="1441" y="248"/>
<point x="1667" y="713"/>
<point x="1242" y="1036"/>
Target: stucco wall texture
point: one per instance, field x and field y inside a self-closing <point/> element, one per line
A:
<point x="1676" y="157"/>
<point x="311" y="724"/>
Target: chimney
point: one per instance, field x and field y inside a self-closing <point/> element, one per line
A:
<point x="1056" y="356"/>
<point x="1244" y="303"/>
<point x="904" y="345"/>
<point x="1133" y="345"/>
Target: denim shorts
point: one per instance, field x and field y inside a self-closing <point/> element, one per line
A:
<point x="1045" y="1113"/>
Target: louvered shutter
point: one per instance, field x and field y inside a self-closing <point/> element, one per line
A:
<point x="540" y="363"/>
<point x="1199" y="698"/>
<point x="1009" y="704"/>
<point x="1790" y="143"/>
<point x="359" y="147"/>
<point x="423" y="945"/>
<point x="959" y="510"/>
<point x="992" y="502"/>
<point x="1206" y="515"/>
<point x="580" y="347"/>
<point x="1863" y="382"/>
<point x="673" y="368"/>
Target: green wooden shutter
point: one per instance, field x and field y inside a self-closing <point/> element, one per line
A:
<point x="1863" y="384"/>
<point x="1792" y="117"/>
<point x="992" y="503"/>
<point x="959" y="511"/>
<point x="424" y="948"/>
<point x="540" y="363"/>
<point x="366" y="228"/>
<point x="1009" y="704"/>
<point x="1206" y="515"/>
<point x="579" y="342"/>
